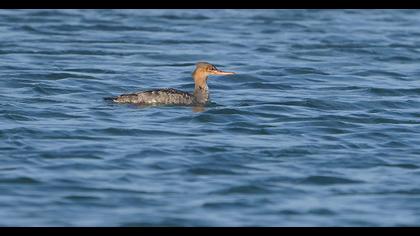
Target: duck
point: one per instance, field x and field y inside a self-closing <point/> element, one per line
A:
<point x="170" y="96"/>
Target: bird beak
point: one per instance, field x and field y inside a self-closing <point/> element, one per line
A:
<point x="219" y="72"/>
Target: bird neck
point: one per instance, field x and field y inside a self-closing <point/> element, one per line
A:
<point x="201" y="90"/>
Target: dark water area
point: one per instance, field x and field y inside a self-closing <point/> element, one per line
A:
<point x="319" y="127"/>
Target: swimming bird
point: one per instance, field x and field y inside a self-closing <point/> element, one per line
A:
<point x="170" y="96"/>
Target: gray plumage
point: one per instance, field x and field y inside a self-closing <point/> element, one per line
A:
<point x="159" y="96"/>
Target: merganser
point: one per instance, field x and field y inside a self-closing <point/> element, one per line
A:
<point x="169" y="96"/>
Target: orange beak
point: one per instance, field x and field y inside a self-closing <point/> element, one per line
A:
<point x="219" y="72"/>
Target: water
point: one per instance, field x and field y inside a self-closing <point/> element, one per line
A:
<point x="320" y="127"/>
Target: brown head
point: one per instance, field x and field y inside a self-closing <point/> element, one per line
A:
<point x="203" y="70"/>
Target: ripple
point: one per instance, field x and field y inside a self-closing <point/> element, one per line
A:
<point x="71" y="154"/>
<point x="328" y="180"/>
<point x="243" y="189"/>
<point x="403" y="166"/>
<point x="18" y="117"/>
<point x="322" y="212"/>
<point x="224" y="205"/>
<point x="19" y="180"/>
<point x="59" y="76"/>
<point x="210" y="171"/>
<point x="131" y="132"/>
<point x="304" y="70"/>
<point x="378" y="73"/>
<point x="184" y="17"/>
<point x="394" y="91"/>
<point x="79" y="198"/>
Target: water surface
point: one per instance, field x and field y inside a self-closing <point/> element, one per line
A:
<point x="320" y="127"/>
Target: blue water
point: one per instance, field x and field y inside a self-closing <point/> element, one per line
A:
<point x="320" y="126"/>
